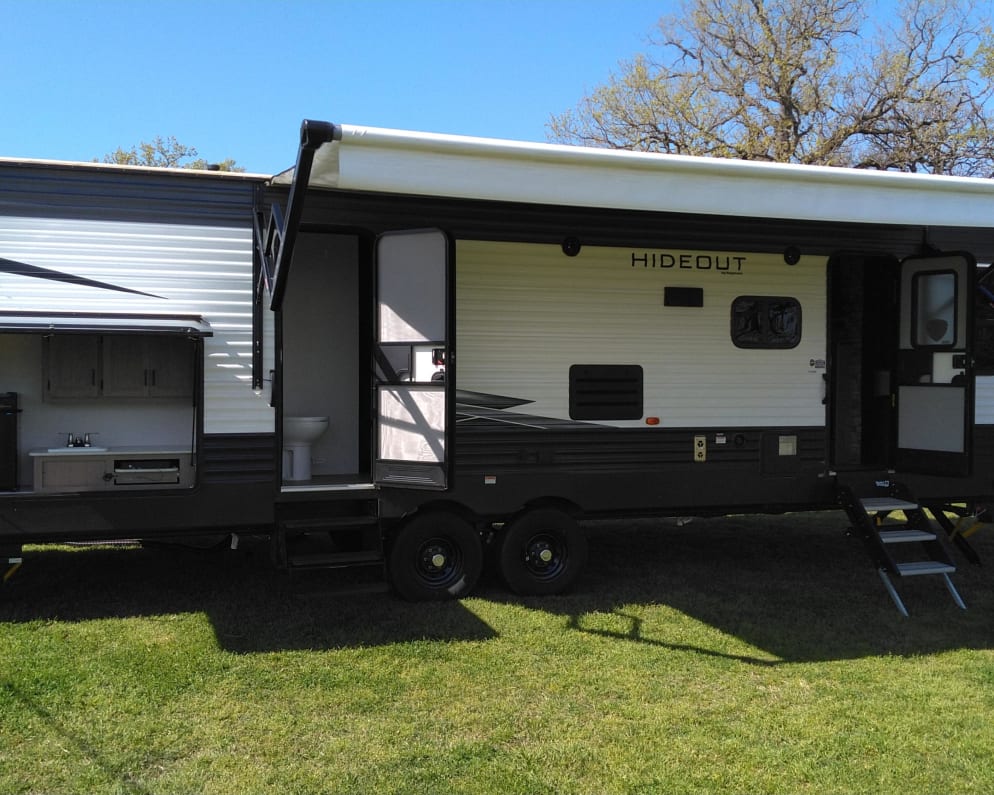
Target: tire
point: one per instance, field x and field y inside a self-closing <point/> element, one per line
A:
<point x="435" y="556"/>
<point x="542" y="552"/>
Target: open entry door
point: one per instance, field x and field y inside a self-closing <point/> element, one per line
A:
<point x="934" y="377"/>
<point x="412" y="353"/>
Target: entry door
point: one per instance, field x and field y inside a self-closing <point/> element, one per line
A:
<point x="934" y="368"/>
<point x="413" y="359"/>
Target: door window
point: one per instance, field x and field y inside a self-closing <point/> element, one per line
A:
<point x="935" y="309"/>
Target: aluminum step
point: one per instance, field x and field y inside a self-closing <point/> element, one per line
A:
<point x="919" y="567"/>
<point x="905" y="536"/>
<point x="885" y="504"/>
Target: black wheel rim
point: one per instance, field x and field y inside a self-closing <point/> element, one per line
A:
<point x="545" y="556"/>
<point x="439" y="563"/>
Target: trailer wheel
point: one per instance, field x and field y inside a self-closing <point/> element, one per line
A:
<point x="435" y="556"/>
<point x="542" y="552"/>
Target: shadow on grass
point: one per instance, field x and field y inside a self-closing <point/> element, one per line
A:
<point x="252" y="606"/>
<point x="793" y="587"/>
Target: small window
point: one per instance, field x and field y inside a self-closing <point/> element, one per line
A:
<point x="766" y="322"/>
<point x="605" y="392"/>
<point x="935" y="309"/>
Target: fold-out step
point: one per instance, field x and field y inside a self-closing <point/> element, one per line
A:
<point x="905" y="536"/>
<point x="883" y="539"/>
<point x="878" y="504"/>
<point x="924" y="567"/>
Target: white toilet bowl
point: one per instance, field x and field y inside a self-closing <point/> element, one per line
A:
<point x="299" y="433"/>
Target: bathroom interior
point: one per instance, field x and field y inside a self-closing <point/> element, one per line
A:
<point x="321" y="359"/>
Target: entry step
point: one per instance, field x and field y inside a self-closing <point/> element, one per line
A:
<point x="328" y="523"/>
<point x="924" y="567"/>
<point x="333" y="560"/>
<point x="905" y="536"/>
<point x="878" y="504"/>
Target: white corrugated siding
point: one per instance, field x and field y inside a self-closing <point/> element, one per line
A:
<point x="526" y="312"/>
<point x="190" y="269"/>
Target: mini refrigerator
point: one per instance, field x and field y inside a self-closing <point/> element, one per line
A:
<point x="8" y="441"/>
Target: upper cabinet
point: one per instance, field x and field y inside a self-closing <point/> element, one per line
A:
<point x="138" y="366"/>
<point x="72" y="366"/>
<point x="120" y="366"/>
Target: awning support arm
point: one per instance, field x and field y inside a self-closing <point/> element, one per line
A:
<point x="278" y="239"/>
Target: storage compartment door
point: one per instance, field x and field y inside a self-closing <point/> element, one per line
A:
<point x="935" y="378"/>
<point x="413" y="359"/>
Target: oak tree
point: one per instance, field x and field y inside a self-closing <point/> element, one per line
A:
<point x="166" y="153"/>
<point x="804" y="81"/>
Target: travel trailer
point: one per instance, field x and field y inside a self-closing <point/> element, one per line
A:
<point x="412" y="348"/>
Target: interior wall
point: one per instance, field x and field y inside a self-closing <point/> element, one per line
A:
<point x="114" y="422"/>
<point x="320" y="346"/>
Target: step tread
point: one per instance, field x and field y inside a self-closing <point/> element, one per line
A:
<point x="924" y="567"/>
<point x="315" y="560"/>
<point x="328" y="522"/>
<point x="905" y="536"/>
<point x="875" y="504"/>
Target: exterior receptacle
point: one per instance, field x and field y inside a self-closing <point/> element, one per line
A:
<point x="700" y="449"/>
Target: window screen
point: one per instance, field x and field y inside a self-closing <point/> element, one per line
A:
<point x="766" y="322"/>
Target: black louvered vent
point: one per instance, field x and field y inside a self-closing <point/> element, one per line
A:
<point x="605" y="392"/>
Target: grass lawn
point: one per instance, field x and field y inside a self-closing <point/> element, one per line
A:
<point x="756" y="654"/>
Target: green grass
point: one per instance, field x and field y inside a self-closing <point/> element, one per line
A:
<point x="738" y="655"/>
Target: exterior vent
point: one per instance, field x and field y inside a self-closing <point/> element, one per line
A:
<point x="605" y="392"/>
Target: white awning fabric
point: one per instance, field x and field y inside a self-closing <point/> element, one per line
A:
<point x="430" y="164"/>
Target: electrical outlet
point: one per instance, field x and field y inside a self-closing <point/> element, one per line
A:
<point x="700" y="449"/>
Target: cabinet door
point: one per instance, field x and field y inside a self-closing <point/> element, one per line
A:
<point x="72" y="475"/>
<point x="125" y="370"/>
<point x="170" y="364"/>
<point x="72" y="365"/>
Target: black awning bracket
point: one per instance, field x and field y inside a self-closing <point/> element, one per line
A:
<point x="280" y="235"/>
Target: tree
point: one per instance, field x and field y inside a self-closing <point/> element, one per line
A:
<point x="166" y="153"/>
<point x="797" y="81"/>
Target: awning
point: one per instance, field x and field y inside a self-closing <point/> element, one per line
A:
<point x="89" y="323"/>
<point x="372" y="159"/>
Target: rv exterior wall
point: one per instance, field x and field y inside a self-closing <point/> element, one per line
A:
<point x="180" y="269"/>
<point x="527" y="312"/>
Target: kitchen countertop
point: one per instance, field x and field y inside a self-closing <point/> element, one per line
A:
<point x="126" y="450"/>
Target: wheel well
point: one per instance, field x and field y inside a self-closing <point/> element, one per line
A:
<point x="482" y="523"/>
<point x="437" y="506"/>
<point x="555" y="503"/>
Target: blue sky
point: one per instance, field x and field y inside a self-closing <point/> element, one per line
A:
<point x="235" y="77"/>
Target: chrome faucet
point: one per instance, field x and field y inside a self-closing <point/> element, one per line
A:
<point x="75" y="440"/>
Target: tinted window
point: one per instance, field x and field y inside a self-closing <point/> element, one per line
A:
<point x="766" y="322"/>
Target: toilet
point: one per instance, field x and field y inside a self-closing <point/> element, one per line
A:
<point x="299" y="433"/>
